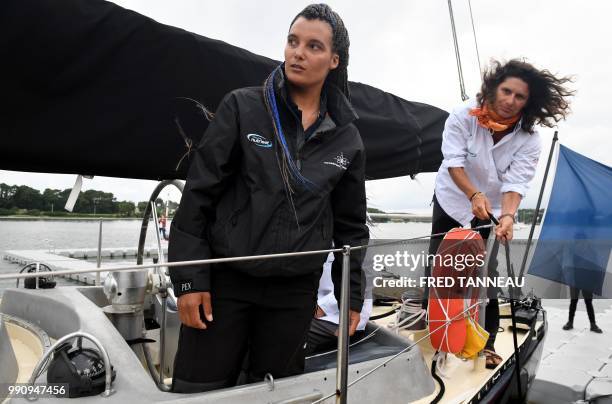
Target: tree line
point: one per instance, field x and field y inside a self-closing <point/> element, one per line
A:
<point x="21" y="199"/>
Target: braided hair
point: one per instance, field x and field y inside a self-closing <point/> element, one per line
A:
<point x="338" y="77"/>
<point x="340" y="42"/>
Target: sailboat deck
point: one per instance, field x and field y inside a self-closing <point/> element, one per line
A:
<point x="462" y="378"/>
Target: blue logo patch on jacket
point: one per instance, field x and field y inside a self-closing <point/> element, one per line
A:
<point x="259" y="140"/>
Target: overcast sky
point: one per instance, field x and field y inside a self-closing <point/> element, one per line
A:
<point x="406" y="48"/>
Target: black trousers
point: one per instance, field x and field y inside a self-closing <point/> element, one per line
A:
<point x="441" y="222"/>
<point x="322" y="337"/>
<point x="259" y="326"/>
<point x="588" y="302"/>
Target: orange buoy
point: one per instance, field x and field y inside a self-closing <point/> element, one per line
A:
<point x="449" y="296"/>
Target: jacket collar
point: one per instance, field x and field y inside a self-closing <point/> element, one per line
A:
<point x="338" y="106"/>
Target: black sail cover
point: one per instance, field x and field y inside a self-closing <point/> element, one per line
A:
<point x="88" y="87"/>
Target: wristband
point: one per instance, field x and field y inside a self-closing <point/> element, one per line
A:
<point x="510" y="215"/>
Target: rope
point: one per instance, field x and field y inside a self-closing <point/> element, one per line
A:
<point x="415" y="315"/>
<point x="475" y="41"/>
<point x="434" y="366"/>
<point x="470" y="236"/>
<point x="401" y="325"/>
<point x="464" y="96"/>
<point x="446" y="321"/>
<point x="409" y="305"/>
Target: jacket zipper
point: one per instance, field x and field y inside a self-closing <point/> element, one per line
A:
<point x="298" y="161"/>
<point x="299" y="145"/>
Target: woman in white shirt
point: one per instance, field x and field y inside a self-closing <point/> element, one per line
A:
<point x="491" y="151"/>
<point x="323" y="331"/>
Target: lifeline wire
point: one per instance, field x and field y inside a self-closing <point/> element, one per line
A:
<point x="220" y="260"/>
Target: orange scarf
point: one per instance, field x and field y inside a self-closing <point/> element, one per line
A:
<point x="489" y="119"/>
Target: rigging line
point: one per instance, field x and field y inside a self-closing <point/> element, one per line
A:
<point x="475" y="41"/>
<point x="219" y="260"/>
<point x="464" y="96"/>
<point x="403" y="241"/>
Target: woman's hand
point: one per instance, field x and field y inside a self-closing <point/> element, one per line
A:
<point x="354" y="319"/>
<point x="189" y="309"/>
<point x="503" y="231"/>
<point x="481" y="206"/>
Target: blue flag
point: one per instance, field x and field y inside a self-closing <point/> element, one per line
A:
<point x="576" y="236"/>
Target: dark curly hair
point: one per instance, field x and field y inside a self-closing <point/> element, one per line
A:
<point x="547" y="103"/>
<point x="340" y="41"/>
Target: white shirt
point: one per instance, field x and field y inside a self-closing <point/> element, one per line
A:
<point x="493" y="169"/>
<point x="327" y="301"/>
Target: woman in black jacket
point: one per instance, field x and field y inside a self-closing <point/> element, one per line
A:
<point x="280" y="169"/>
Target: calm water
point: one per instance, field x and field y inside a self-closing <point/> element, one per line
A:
<point x="67" y="234"/>
<point x="64" y="234"/>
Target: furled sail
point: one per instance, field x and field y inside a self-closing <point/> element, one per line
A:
<point x="91" y="88"/>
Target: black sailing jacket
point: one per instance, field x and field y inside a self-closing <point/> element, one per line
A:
<point x="234" y="202"/>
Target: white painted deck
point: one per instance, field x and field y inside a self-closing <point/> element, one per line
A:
<point x="576" y="365"/>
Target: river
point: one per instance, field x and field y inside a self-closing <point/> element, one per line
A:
<point x="63" y="234"/>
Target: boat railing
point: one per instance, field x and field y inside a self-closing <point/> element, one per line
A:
<point x="165" y="290"/>
<point x="342" y="384"/>
<point x="342" y="369"/>
<point x="165" y="293"/>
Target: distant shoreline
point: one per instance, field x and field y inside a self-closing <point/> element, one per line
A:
<point x="62" y="218"/>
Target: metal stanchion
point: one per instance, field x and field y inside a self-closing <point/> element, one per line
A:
<point x="37" y="278"/>
<point x="343" y="330"/>
<point x="99" y="260"/>
<point x="163" y="291"/>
